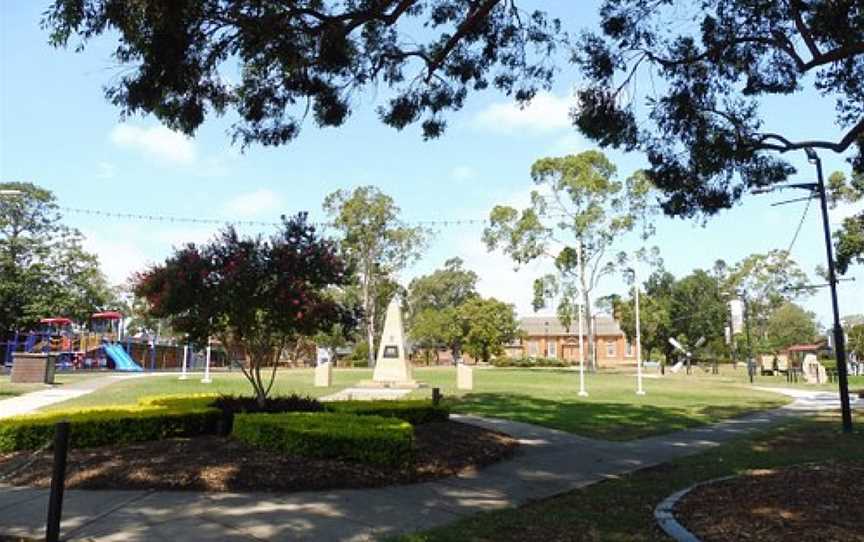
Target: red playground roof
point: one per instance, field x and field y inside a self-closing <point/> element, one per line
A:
<point x="107" y="315"/>
<point x="61" y="321"/>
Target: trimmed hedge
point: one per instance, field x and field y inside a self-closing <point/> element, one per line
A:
<point x="329" y="435"/>
<point x="529" y="362"/>
<point x="108" y="426"/>
<point x="414" y="412"/>
<point x="179" y="402"/>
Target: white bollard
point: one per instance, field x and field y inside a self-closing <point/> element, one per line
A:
<point x="206" y="379"/>
<point x="183" y="375"/>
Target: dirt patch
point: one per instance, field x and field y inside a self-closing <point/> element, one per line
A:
<point x="221" y="464"/>
<point x="804" y="503"/>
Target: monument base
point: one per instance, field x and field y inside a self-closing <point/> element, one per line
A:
<point x="392" y="384"/>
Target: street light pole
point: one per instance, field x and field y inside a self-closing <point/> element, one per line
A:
<point x="582" y="392"/>
<point x="750" y="365"/>
<point x="639" y="390"/>
<point x="839" y="339"/>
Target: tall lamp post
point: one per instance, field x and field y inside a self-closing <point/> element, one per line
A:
<point x="639" y="389"/>
<point x="839" y="340"/>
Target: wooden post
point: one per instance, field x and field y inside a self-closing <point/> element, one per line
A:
<point x="58" y="481"/>
<point x="436" y="396"/>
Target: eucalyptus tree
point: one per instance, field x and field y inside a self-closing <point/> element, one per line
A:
<point x="376" y="242"/>
<point x="578" y="209"/>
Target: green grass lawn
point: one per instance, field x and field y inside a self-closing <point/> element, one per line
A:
<point x="542" y="396"/>
<point x="621" y="509"/>
<point x="8" y="389"/>
<point x="612" y="410"/>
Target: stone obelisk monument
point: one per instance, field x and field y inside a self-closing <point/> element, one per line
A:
<point x="392" y="367"/>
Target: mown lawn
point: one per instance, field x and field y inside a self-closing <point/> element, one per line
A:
<point x="621" y="509"/>
<point x="542" y="396"/>
<point x="8" y="389"/>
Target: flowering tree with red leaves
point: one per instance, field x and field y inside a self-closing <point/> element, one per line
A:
<point x="254" y="294"/>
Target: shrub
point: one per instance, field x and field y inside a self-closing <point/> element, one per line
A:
<point x="329" y="435"/>
<point x="413" y="412"/>
<point x="529" y="362"/>
<point x="101" y="427"/>
<point x="179" y="402"/>
<point x="249" y="405"/>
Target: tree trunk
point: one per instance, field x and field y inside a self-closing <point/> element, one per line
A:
<point x="592" y="346"/>
<point x="369" y="315"/>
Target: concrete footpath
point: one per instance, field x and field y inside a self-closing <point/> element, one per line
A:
<point x="33" y="401"/>
<point x="548" y="462"/>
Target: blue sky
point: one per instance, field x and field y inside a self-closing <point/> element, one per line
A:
<point x="57" y="130"/>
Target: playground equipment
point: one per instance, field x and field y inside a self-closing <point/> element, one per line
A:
<point x="104" y="344"/>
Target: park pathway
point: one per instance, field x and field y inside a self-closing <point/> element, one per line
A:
<point x="548" y="462"/>
<point x="33" y="401"/>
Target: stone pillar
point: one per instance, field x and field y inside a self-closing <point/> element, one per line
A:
<point x="324" y="375"/>
<point x="464" y="377"/>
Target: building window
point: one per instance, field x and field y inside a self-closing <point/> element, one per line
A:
<point x="611" y="349"/>
<point x="533" y="348"/>
<point x="628" y="349"/>
<point x="552" y="350"/>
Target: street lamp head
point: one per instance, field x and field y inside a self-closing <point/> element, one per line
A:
<point x="762" y="190"/>
<point x="812" y="157"/>
<point x="11" y="193"/>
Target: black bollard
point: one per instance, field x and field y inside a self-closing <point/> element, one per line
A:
<point x="58" y="482"/>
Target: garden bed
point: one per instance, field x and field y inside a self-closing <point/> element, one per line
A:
<point x="805" y="502"/>
<point x="210" y="463"/>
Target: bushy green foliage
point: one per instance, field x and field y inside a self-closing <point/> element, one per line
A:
<point x="529" y="362"/>
<point x="413" y="412"/>
<point x="365" y="439"/>
<point x="109" y="426"/>
<point x="179" y="402"/>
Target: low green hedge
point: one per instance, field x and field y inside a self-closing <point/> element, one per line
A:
<point x="329" y="435"/>
<point x="529" y="362"/>
<point x="414" y="412"/>
<point x="179" y="402"/>
<point x="108" y="426"/>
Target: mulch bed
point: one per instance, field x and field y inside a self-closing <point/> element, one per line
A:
<point x="803" y="503"/>
<point x="221" y="464"/>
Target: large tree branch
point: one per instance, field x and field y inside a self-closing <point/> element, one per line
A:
<point x="795" y="6"/>
<point x="784" y="144"/>
<point x="479" y="13"/>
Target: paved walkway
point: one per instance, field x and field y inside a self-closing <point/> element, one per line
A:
<point x="548" y="462"/>
<point x="33" y="401"/>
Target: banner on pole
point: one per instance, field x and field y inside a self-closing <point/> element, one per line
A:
<point x="736" y="310"/>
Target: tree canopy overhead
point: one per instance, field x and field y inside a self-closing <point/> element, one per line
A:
<point x="308" y="57"/>
<point x="711" y="63"/>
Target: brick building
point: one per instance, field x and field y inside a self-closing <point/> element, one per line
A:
<point x="544" y="336"/>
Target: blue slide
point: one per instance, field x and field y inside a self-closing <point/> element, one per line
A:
<point x="122" y="361"/>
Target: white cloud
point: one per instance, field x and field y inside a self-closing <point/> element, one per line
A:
<point x="547" y="112"/>
<point x="572" y="143"/>
<point x="105" y="170"/>
<point x="156" y="142"/>
<point x="119" y="256"/>
<point x="463" y="173"/>
<point x="499" y="277"/>
<point x="256" y="203"/>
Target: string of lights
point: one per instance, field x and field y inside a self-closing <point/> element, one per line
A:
<point x="141" y="217"/>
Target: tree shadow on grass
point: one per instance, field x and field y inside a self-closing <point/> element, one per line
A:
<point x="609" y="421"/>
